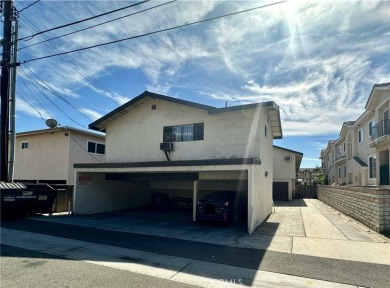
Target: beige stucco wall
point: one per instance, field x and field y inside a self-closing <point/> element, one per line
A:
<point x="79" y="155"/>
<point x="51" y="155"/>
<point x="46" y="158"/>
<point x="284" y="171"/>
<point x="136" y="136"/>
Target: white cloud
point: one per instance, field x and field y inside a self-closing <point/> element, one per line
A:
<point x="316" y="59"/>
<point x="26" y="108"/>
<point x="94" y="115"/>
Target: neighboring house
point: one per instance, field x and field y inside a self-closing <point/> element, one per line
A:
<point x="360" y="156"/>
<point x="156" y="143"/>
<point x="305" y="175"/>
<point x="48" y="155"/>
<point x="286" y="167"/>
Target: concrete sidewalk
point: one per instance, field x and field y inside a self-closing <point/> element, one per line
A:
<point x="305" y="227"/>
<point x="179" y="269"/>
<point x="310" y="227"/>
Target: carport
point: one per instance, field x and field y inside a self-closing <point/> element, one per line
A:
<point x="107" y="187"/>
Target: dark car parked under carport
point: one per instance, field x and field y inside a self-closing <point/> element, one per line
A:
<point x="222" y="206"/>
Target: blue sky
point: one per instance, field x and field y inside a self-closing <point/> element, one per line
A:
<point x="318" y="60"/>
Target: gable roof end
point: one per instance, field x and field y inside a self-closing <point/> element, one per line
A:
<point x="273" y="110"/>
<point x="370" y="105"/>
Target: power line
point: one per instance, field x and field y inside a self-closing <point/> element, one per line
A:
<point x="55" y="93"/>
<point x="19" y="11"/>
<point x="154" y="32"/>
<point x="93" y="81"/>
<point x="48" y="98"/>
<point x="24" y="99"/>
<point x="93" y="26"/>
<point x="85" y="149"/>
<point x="28" y="88"/>
<point x="83" y="20"/>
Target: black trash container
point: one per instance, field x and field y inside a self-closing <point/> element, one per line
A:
<point x="24" y="199"/>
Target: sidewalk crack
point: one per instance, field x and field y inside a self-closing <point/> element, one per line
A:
<point x="181" y="269"/>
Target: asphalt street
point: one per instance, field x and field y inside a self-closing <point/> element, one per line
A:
<point x="340" y="271"/>
<point x="27" y="268"/>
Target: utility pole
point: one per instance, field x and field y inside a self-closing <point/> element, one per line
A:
<point x="4" y="89"/>
<point x="12" y="102"/>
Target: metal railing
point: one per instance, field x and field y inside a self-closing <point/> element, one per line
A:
<point x="381" y="129"/>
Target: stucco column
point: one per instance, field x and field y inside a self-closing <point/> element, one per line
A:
<point x="195" y="200"/>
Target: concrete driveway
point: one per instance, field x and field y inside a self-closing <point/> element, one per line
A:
<point x="306" y="227"/>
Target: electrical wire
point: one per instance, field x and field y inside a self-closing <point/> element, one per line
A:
<point x="19" y="11"/>
<point x="83" y="20"/>
<point x="93" y="26"/>
<point x="48" y="98"/>
<point x="85" y="149"/>
<point x="90" y="79"/>
<point x="55" y="93"/>
<point x="36" y="98"/>
<point x="154" y="32"/>
<point x="24" y="99"/>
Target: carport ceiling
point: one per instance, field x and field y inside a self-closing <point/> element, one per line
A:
<point x="152" y="176"/>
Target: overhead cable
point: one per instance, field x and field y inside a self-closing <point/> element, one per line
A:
<point x="28" y="6"/>
<point x="92" y="80"/>
<point x="93" y="26"/>
<point x="83" y="20"/>
<point x="51" y="101"/>
<point x="154" y="32"/>
<point x="24" y="99"/>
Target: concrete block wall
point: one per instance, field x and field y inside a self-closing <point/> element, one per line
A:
<point x="368" y="205"/>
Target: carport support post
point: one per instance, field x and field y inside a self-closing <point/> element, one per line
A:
<point x="194" y="200"/>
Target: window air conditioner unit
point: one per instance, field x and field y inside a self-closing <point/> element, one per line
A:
<point x="166" y="146"/>
<point x="287" y="158"/>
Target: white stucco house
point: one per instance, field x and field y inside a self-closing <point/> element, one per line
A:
<point x="286" y="169"/>
<point x="48" y="155"/>
<point x="360" y="156"/>
<point x="185" y="149"/>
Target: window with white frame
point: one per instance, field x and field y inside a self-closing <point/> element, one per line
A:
<point x="372" y="166"/>
<point x="24" y="145"/>
<point x="339" y="172"/>
<point x="360" y="135"/>
<point x="96" y="148"/>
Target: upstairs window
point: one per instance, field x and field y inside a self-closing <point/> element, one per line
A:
<point x="372" y="164"/>
<point x="96" y="148"/>
<point x="360" y="135"/>
<point x="24" y="145"/>
<point x="181" y="133"/>
<point x="370" y="125"/>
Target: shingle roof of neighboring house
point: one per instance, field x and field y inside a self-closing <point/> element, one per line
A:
<point x="360" y="162"/>
<point x="275" y="121"/>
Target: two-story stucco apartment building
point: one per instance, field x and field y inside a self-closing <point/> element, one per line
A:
<point x="48" y="155"/>
<point x="185" y="149"/>
<point x="360" y="156"/>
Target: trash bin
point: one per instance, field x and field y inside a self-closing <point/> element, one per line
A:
<point x="23" y="199"/>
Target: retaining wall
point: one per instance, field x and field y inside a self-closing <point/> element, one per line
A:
<point x="368" y="205"/>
